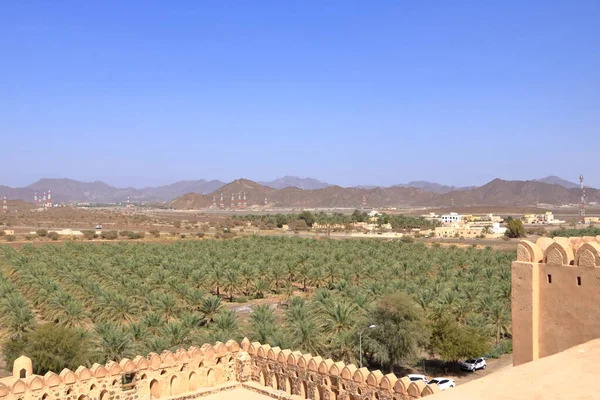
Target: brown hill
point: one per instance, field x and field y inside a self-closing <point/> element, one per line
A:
<point x="497" y="192"/>
<point x="501" y="192"/>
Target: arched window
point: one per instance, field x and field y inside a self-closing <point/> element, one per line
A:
<point x="23" y="373"/>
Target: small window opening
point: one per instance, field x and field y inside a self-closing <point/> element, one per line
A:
<point x="127" y="381"/>
<point x="578" y="281"/>
<point x="23" y="373"/>
<point x="549" y="278"/>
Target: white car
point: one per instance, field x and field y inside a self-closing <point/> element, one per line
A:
<point x="473" y="364"/>
<point x="443" y="383"/>
<point x="416" y="377"/>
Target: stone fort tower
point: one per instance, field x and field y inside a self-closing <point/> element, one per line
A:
<point x="555" y="296"/>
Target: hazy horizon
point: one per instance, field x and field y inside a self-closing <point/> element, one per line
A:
<point x="351" y="93"/>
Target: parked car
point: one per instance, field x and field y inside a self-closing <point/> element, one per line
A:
<point x="416" y="377"/>
<point x="473" y="364"/>
<point x="443" y="383"/>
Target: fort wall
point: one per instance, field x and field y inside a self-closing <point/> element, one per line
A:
<point x="199" y="371"/>
<point x="555" y="296"/>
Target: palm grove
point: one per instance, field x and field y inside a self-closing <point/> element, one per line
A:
<point x="118" y="300"/>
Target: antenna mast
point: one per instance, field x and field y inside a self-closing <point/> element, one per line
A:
<point x="582" y="201"/>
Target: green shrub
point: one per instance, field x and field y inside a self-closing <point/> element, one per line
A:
<point x="53" y="236"/>
<point x="11" y="238"/>
<point x="30" y="237"/>
<point x="41" y="232"/>
<point x="88" y="235"/>
<point x="407" y="239"/>
<point x="110" y="235"/>
<point x="504" y="347"/>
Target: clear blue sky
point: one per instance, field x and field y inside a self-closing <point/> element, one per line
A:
<point x="350" y="92"/>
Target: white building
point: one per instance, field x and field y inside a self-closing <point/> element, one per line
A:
<point x="452" y="218"/>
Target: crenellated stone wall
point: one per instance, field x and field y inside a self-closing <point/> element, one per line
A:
<point x="200" y="371"/>
<point x="555" y="296"/>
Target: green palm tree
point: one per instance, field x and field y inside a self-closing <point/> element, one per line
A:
<point x="210" y="307"/>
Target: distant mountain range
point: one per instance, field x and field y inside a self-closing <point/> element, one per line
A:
<point x="309" y="192"/>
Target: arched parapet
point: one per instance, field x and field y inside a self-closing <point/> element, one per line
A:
<point x="304" y="360"/>
<point x="401" y="386"/>
<point x="181" y="355"/>
<point x="195" y="353"/>
<point x="232" y="346"/>
<point x="325" y="366"/>
<point x="529" y="252"/>
<point x="360" y="375"/>
<point x="273" y="353"/>
<point x="208" y="351"/>
<point x="588" y="255"/>
<point x="559" y="253"/>
<point x="430" y="389"/>
<point x="67" y="376"/>
<point x="113" y="368"/>
<point x="253" y="348"/>
<point x="576" y="243"/>
<point x="168" y="359"/>
<point x="348" y="372"/>
<point x="83" y="374"/>
<point x="36" y="383"/>
<point x="337" y="368"/>
<point x="374" y="378"/>
<point x="51" y="379"/>
<point x="263" y="350"/>
<point x="18" y="387"/>
<point x="293" y="358"/>
<point x="543" y="243"/>
<point x="588" y="239"/>
<point x="416" y="388"/>
<point x="154" y="360"/>
<point x="245" y="344"/>
<point x="387" y="382"/>
<point x="283" y="355"/>
<point x="314" y="363"/>
<point x="4" y="390"/>
<point x="141" y="363"/>
<point x="220" y="349"/>
<point x="127" y="366"/>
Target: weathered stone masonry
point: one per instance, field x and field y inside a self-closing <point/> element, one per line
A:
<point x="189" y="374"/>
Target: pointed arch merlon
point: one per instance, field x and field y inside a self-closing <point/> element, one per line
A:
<point x="181" y="355"/>
<point x="195" y="353"/>
<point x="588" y="255"/>
<point x="154" y="360"/>
<point x="208" y="351"/>
<point x="416" y="388"/>
<point x="245" y="344"/>
<point x="337" y="368"/>
<point x="127" y="365"/>
<point x="273" y="353"/>
<point x="360" y="375"/>
<point x="348" y="372"/>
<point x="430" y="389"/>
<point x="51" y="379"/>
<point x="325" y="366"/>
<point x="68" y="377"/>
<point x="168" y="359"/>
<point x="232" y="346"/>
<point x="374" y="378"/>
<point x="19" y="387"/>
<point x="263" y="350"/>
<point x="220" y="349"/>
<point x="294" y="357"/>
<point x="36" y="383"/>
<point x="113" y="368"/>
<point x="314" y="363"/>
<point x="141" y="363"/>
<point x="303" y="361"/>
<point x="83" y="374"/>
<point x="529" y="252"/>
<point x="401" y="386"/>
<point x="559" y="253"/>
<point x="387" y="382"/>
<point x="283" y="356"/>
